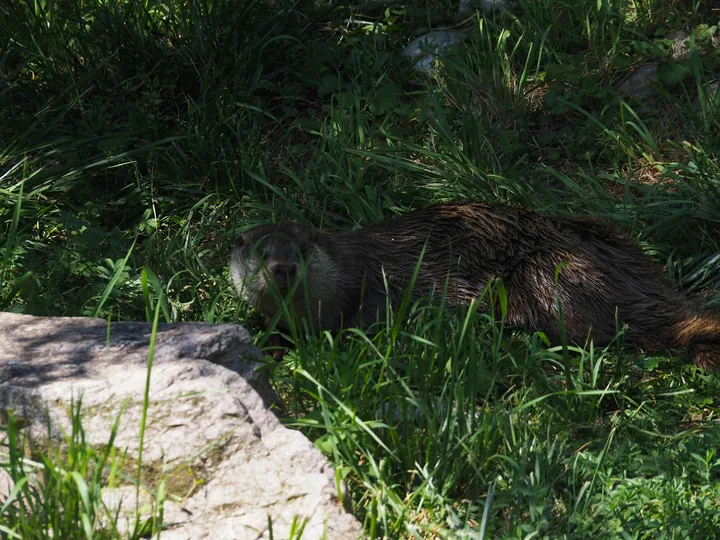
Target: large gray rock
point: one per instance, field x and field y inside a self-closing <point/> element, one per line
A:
<point x="222" y="451"/>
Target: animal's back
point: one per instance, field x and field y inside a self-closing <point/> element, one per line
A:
<point x="603" y="277"/>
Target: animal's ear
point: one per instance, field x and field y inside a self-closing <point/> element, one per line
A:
<point x="242" y="240"/>
<point x="307" y="231"/>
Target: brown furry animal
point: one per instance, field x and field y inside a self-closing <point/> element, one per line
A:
<point x="469" y="244"/>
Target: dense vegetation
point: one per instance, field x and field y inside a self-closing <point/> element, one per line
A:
<point x="138" y="136"/>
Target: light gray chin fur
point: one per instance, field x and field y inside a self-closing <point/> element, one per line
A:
<point x="239" y="271"/>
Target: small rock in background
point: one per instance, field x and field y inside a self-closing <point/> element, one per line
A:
<point x="681" y="45"/>
<point x="642" y="82"/>
<point x="423" y="50"/>
<point x="493" y="5"/>
<point x="705" y="42"/>
<point x="488" y="6"/>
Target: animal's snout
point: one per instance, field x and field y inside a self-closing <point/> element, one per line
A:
<point x="283" y="274"/>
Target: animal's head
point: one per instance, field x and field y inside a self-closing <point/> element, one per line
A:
<point x="269" y="259"/>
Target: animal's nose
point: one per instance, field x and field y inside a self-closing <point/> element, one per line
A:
<point x="283" y="273"/>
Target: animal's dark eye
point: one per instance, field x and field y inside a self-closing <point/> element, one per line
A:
<point x="257" y="249"/>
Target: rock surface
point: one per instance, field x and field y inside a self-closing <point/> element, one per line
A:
<point x="709" y="101"/>
<point x="424" y="50"/>
<point x="642" y="82"/>
<point x="221" y="451"/>
<point x="681" y="45"/>
<point x="487" y="6"/>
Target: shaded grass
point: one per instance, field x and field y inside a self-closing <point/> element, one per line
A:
<point x="145" y="133"/>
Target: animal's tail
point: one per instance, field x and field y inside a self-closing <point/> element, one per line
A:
<point x="699" y="334"/>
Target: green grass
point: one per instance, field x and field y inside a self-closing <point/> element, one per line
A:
<point x="140" y="135"/>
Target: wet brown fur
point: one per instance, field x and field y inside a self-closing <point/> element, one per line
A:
<point x="470" y="243"/>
